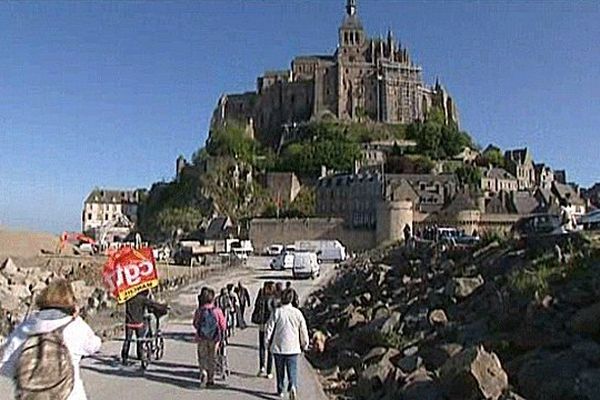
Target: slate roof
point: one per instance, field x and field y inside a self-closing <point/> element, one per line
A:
<point x="497" y="173"/>
<point x="218" y="228"/>
<point x="520" y="156"/>
<point x="524" y="203"/>
<point x="461" y="202"/>
<point x="568" y="193"/>
<point x="113" y="196"/>
<point x="352" y="22"/>
<point x="403" y="191"/>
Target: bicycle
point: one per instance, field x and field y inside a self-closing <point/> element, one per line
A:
<point x="153" y="348"/>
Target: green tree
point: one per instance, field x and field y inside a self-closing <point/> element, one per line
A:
<point x="469" y="175"/>
<point x="492" y="155"/>
<point x="231" y="141"/>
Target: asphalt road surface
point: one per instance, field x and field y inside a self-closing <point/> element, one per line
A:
<point x="176" y="376"/>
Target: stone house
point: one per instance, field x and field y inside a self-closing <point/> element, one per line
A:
<point x="433" y="190"/>
<point x="592" y="195"/>
<point x="495" y="180"/>
<point x="353" y="197"/>
<point x="520" y="163"/>
<point x="544" y="176"/>
<point x="106" y="207"/>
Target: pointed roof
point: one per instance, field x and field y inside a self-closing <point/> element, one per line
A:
<point x="351" y="20"/>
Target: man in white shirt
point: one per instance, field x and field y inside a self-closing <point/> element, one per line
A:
<point x="288" y="334"/>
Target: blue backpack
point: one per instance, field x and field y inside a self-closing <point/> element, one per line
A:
<point x="208" y="327"/>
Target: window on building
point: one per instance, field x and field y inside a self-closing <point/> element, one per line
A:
<point x="106" y="217"/>
<point x="89" y="216"/>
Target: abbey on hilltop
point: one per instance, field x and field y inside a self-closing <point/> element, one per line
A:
<point x="365" y="79"/>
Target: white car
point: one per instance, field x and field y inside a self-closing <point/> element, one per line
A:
<point x="283" y="261"/>
<point x="274" y="250"/>
<point x="306" y="265"/>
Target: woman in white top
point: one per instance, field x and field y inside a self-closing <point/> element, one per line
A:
<point x="288" y="334"/>
<point x="57" y="310"/>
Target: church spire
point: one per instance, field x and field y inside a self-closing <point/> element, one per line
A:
<point x="351" y="7"/>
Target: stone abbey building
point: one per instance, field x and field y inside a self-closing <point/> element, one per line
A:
<point x="366" y="78"/>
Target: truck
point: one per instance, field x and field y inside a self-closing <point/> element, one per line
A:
<point x="326" y="250"/>
<point x="191" y="252"/>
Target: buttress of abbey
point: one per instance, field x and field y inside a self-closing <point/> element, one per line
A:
<point x="365" y="79"/>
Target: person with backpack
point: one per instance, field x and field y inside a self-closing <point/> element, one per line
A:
<point x="263" y="308"/>
<point x="136" y="310"/>
<point x="210" y="326"/>
<point x="42" y="354"/>
<point x="288" y="334"/>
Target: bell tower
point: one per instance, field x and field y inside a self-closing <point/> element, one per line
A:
<point x="351" y="32"/>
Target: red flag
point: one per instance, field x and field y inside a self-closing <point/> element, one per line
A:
<point x="130" y="271"/>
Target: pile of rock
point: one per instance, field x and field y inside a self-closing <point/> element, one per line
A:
<point x="19" y="286"/>
<point x="419" y="325"/>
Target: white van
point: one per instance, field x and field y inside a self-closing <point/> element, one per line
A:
<point x="306" y="265"/>
<point x="327" y="250"/>
<point x="284" y="260"/>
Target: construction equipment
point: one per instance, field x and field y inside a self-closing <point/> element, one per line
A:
<point x="77" y="239"/>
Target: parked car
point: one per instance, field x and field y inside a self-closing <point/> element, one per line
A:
<point x="284" y="260"/>
<point x="274" y="250"/>
<point x="306" y="265"/>
<point x="537" y="225"/>
<point x="327" y="250"/>
<point x="590" y="221"/>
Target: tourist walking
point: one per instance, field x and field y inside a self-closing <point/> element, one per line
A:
<point x="210" y="326"/>
<point x="244" y="298"/>
<point x="224" y="302"/>
<point x="235" y="305"/>
<point x="295" y="298"/>
<point x="288" y="335"/>
<point x="136" y="310"/>
<point x="263" y="308"/>
<point x="44" y="351"/>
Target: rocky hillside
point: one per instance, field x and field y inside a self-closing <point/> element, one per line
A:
<point x="489" y="324"/>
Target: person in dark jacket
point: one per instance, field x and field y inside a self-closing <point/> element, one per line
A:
<point x="135" y="322"/>
<point x="244" y="297"/>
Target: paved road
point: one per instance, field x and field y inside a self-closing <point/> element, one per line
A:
<point x="176" y="376"/>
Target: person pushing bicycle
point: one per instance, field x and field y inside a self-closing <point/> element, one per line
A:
<point x="136" y="310"/>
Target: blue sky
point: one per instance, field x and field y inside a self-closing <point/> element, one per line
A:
<point x="109" y="93"/>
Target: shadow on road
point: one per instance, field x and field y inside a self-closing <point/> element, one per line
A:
<point x="186" y="337"/>
<point x="275" y="277"/>
<point x="165" y="373"/>
<point x="179" y="375"/>
<point x="243" y="346"/>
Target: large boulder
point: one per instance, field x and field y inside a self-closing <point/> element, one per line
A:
<point x="392" y="323"/>
<point x="421" y="385"/>
<point x="548" y="375"/>
<point x="474" y="374"/>
<point x="438" y="318"/>
<point x="380" y="372"/>
<point x="461" y="288"/>
<point x="586" y="320"/>
<point x="9" y="267"/>
<point x="8" y="301"/>
<point x="435" y="356"/>
<point x="82" y="291"/>
<point x="20" y="291"/>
